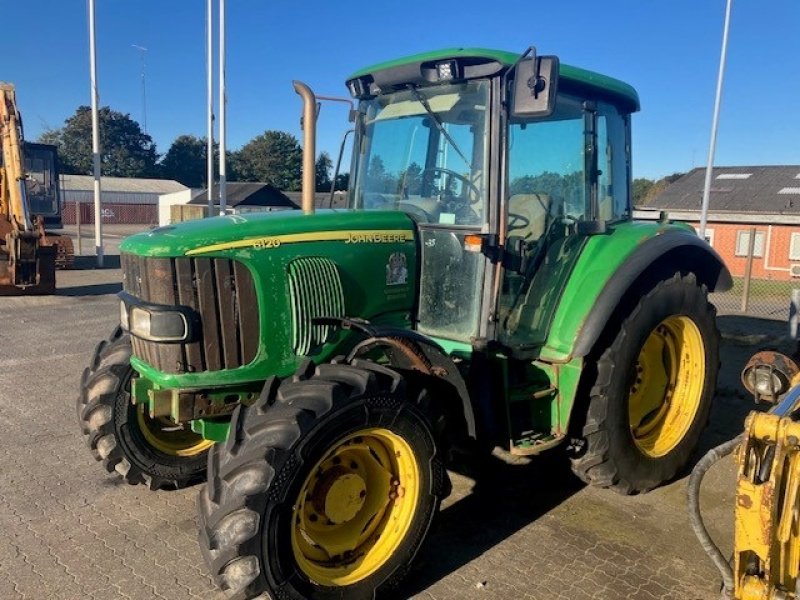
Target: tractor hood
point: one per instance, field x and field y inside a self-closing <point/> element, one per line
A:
<point x="245" y="234"/>
<point x="255" y="285"/>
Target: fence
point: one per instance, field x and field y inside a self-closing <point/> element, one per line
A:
<point x="113" y="213"/>
<point x="754" y="292"/>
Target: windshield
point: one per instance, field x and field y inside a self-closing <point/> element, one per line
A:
<point x="40" y="183"/>
<point x="424" y="151"/>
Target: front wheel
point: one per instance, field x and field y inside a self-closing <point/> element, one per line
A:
<point x="653" y="390"/>
<point x="123" y="436"/>
<point x="325" y="488"/>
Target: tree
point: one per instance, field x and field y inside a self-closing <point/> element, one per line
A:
<point x="274" y="157"/>
<point x="342" y="181"/>
<point x="641" y="186"/>
<point x="322" y="170"/>
<point x="125" y="150"/>
<point x="50" y="136"/>
<point x="185" y="161"/>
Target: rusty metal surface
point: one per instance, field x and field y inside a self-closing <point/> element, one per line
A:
<point x="774" y="362"/>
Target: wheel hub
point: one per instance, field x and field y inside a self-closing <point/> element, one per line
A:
<point x="339" y="495"/>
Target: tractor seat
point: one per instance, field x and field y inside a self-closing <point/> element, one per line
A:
<point x="527" y="215"/>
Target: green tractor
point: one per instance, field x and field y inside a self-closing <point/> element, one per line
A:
<point x="486" y="287"/>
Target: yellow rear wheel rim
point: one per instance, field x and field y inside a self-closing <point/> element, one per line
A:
<point x="355" y="508"/>
<point x="668" y="386"/>
<point x="169" y="438"/>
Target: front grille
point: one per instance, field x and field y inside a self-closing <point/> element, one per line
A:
<point x="222" y="293"/>
<point x="315" y="290"/>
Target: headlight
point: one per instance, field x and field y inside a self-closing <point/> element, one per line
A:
<point x="158" y="326"/>
<point x="157" y="322"/>
<point x="123" y="316"/>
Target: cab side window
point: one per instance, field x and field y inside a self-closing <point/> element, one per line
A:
<point x="613" y="163"/>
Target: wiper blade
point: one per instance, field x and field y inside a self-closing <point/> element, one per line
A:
<point x="424" y="101"/>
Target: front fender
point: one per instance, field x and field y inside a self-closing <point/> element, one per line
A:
<point x="610" y="266"/>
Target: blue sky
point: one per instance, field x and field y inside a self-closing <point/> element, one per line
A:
<point x="667" y="49"/>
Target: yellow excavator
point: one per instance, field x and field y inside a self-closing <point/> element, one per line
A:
<point x="28" y="253"/>
<point x="766" y="556"/>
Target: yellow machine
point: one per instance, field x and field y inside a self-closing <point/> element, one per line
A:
<point x="28" y="254"/>
<point x="766" y="556"/>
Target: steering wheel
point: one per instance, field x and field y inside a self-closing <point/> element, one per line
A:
<point x="473" y="194"/>
<point x="516" y="222"/>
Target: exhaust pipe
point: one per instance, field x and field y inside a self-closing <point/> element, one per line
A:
<point x="309" y="126"/>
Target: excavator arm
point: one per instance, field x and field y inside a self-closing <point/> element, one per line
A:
<point x="27" y="257"/>
<point x="767" y="526"/>
<point x="13" y="201"/>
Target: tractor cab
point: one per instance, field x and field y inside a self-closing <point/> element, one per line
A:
<point x="497" y="166"/>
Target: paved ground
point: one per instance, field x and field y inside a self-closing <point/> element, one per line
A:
<point x="70" y="531"/>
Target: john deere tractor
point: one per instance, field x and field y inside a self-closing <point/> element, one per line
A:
<point x="486" y="287"/>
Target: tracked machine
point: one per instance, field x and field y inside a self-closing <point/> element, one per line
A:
<point x="29" y="200"/>
<point x="486" y="286"/>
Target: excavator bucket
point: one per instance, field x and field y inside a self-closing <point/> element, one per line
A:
<point x="26" y="267"/>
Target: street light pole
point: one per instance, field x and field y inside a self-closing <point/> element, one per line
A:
<point x="142" y="51"/>
<point x="98" y="213"/>
<point x="223" y="192"/>
<point x="715" y="122"/>
<point x="210" y="99"/>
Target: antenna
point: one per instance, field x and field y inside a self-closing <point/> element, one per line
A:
<point x="142" y="53"/>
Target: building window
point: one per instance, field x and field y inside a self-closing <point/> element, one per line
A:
<point x="794" y="247"/>
<point x="743" y="243"/>
<point x="709" y="235"/>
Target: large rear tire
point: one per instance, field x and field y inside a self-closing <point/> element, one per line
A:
<point x="123" y="436"/>
<point x="653" y="390"/>
<point x="325" y="489"/>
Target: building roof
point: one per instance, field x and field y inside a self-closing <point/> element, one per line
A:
<point x="133" y="185"/>
<point x="321" y="199"/>
<point x="249" y="194"/>
<point x="754" y="190"/>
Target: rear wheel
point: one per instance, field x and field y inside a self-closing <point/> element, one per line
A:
<point x="653" y="390"/>
<point x="325" y="488"/>
<point x="123" y="436"/>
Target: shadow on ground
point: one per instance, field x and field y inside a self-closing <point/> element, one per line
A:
<point x="88" y="263"/>
<point x="97" y="289"/>
<point x="505" y="499"/>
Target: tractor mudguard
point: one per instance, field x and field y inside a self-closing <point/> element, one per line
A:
<point x="675" y="250"/>
<point x="607" y="269"/>
<point x="408" y="349"/>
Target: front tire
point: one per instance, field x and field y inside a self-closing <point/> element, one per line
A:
<point x="123" y="436"/>
<point x="325" y="488"/>
<point x="652" y="394"/>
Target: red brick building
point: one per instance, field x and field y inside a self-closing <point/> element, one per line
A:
<point x="764" y="199"/>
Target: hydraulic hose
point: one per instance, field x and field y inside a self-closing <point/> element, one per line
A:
<point x="695" y="518"/>
<point x="786" y="407"/>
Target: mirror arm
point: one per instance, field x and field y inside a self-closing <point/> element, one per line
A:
<point x="531" y="50"/>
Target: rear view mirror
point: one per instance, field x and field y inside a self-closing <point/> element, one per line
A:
<point x="535" y="87"/>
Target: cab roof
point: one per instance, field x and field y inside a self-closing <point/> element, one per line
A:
<point x="570" y="78"/>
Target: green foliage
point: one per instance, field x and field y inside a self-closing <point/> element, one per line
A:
<point x="274" y="157"/>
<point x="185" y="161"/>
<point x="342" y="181"/>
<point x="566" y="191"/>
<point x="644" y="190"/>
<point x="125" y="150"/>
<point x="641" y="187"/>
<point x="323" y="169"/>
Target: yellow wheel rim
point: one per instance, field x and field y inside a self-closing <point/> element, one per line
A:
<point x="668" y="386"/>
<point x="169" y="438"/>
<point x="355" y="508"/>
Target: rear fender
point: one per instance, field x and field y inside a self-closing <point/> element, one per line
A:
<point x="592" y="297"/>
